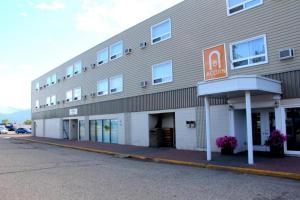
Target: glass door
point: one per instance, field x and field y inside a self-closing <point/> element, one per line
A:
<point x="106" y="130"/>
<point x="93" y="135"/>
<point x="99" y="131"/>
<point x="81" y="130"/>
<point x="114" y="131"/>
<point x="292" y="123"/>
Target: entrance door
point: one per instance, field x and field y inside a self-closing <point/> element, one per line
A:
<point x="263" y="122"/>
<point x="293" y="130"/>
<point x="66" y="129"/>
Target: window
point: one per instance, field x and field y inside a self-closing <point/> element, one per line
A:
<point x="69" y="71"/>
<point x="236" y="6"/>
<point x="162" y="73"/>
<point x="77" y="67"/>
<point x="161" y="31"/>
<point x="37" y="86"/>
<point x="116" y="50"/>
<point x="102" y="56"/>
<point x="69" y="96"/>
<point x="53" y="100"/>
<point x="102" y="87"/>
<point x="37" y="104"/>
<point x="249" y="52"/>
<point x="48" y="83"/>
<point x="77" y="94"/>
<point x="48" y="101"/>
<point x="116" y="84"/>
<point x="53" y="79"/>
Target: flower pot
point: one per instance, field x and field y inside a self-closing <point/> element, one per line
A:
<point x="227" y="151"/>
<point x="277" y="151"/>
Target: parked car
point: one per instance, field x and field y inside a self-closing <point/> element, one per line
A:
<point x="10" y="127"/>
<point x="22" y="130"/>
<point x="3" y="130"/>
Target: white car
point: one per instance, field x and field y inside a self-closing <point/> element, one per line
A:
<point x="3" y="130"/>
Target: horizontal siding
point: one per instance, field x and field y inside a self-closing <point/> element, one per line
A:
<point x="182" y="98"/>
<point x="196" y="25"/>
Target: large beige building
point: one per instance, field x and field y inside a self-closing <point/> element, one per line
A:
<point x="150" y="85"/>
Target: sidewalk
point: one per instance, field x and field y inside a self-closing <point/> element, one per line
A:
<point x="288" y="167"/>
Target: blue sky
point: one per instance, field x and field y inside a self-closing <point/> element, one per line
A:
<point x="39" y="35"/>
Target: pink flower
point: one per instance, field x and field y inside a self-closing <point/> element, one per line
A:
<point x="226" y="142"/>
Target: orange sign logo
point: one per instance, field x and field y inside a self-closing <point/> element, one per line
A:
<point x="215" y="65"/>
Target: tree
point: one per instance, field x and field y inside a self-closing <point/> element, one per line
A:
<point x="5" y="121"/>
<point x="28" y="122"/>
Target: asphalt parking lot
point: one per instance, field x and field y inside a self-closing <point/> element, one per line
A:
<point x="36" y="171"/>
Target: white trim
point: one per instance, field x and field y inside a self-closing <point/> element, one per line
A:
<point x="101" y="51"/>
<point x="107" y="92"/>
<point x="244" y="9"/>
<point x="163" y="82"/>
<point x="158" y="24"/>
<point x="264" y="36"/>
<point x="115" y="44"/>
<point x="117" y="76"/>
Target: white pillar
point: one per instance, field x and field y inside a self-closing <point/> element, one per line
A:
<point x="207" y="125"/>
<point x="249" y="128"/>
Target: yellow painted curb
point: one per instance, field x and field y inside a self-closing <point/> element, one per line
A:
<point x="244" y="170"/>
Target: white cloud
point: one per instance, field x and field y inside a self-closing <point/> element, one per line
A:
<point x="111" y="17"/>
<point x="55" y="5"/>
<point x="23" y="14"/>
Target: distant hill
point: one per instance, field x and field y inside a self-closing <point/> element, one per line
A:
<point x="15" y="115"/>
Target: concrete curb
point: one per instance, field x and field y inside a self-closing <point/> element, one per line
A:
<point x="244" y="170"/>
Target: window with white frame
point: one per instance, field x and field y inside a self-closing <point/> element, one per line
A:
<point x="77" y="94"/>
<point x="236" y="6"/>
<point x="116" y="84"/>
<point x="53" y="100"/>
<point x="77" y="67"/>
<point x="102" y="87"/>
<point x="48" y="101"/>
<point x="53" y="79"/>
<point x="69" y="71"/>
<point x="48" y="82"/>
<point x="249" y="52"/>
<point x="37" y="103"/>
<point x="162" y="73"/>
<point x="116" y="50"/>
<point x="161" y="31"/>
<point x="69" y="96"/>
<point x="102" y="56"/>
<point x="37" y="86"/>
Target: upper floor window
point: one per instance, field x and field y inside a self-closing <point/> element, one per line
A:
<point x="37" y="86"/>
<point x="77" y="94"/>
<point x="37" y="104"/>
<point x="77" y="67"/>
<point x="116" y="50"/>
<point x="161" y="31"/>
<point x="53" y="79"/>
<point x="102" y="87"/>
<point x="53" y="100"/>
<point x="70" y="71"/>
<point x="69" y="96"/>
<point x="116" y="84"/>
<point x="249" y="52"/>
<point x="236" y="6"/>
<point x="48" y="83"/>
<point x="162" y="73"/>
<point x="48" y="101"/>
<point x="102" y="56"/>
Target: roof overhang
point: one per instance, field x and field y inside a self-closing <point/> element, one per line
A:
<point x="236" y="84"/>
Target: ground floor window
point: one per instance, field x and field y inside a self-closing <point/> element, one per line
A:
<point x="293" y="129"/>
<point x="104" y="130"/>
<point x="81" y="129"/>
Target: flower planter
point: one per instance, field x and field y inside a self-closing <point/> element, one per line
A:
<point x="227" y="151"/>
<point x="277" y="151"/>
